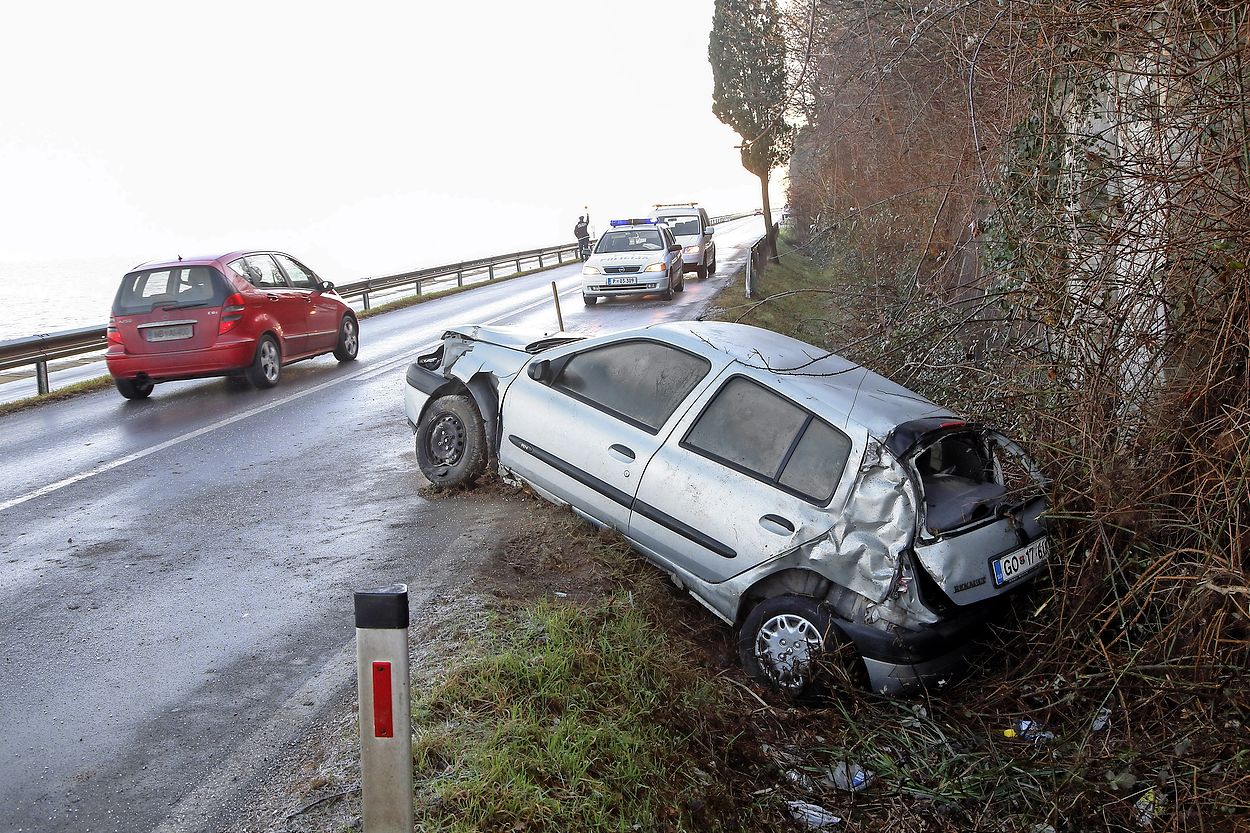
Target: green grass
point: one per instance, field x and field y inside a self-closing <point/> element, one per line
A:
<point x="578" y="718"/>
<point x="58" y="395"/>
<point x="795" y="297"/>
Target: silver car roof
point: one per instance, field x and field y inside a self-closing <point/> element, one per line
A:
<point x="825" y="382"/>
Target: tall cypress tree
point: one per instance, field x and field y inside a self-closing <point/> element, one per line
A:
<point x="748" y="56"/>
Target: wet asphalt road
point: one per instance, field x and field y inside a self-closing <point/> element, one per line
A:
<point x="175" y="571"/>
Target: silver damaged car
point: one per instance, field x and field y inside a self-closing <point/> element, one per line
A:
<point x="803" y="499"/>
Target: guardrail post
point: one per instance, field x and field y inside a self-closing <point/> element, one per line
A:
<point x="366" y="299"/>
<point x="518" y="265"/>
<point x="418" y="285"/>
<point x="460" y="278"/>
<point x="41" y="377"/>
<point x="385" y="709"/>
<point x="540" y="260"/>
<point x="560" y="256"/>
<point x="490" y="271"/>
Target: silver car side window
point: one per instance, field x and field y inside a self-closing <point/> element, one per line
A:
<point x="750" y="428"/>
<point x="641" y="382"/>
<point x="816" y="465"/>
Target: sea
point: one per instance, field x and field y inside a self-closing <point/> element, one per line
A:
<point x="58" y="295"/>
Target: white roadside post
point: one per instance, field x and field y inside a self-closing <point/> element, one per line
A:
<point x="385" y="711"/>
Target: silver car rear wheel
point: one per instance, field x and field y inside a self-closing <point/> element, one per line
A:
<point x="782" y="640"/>
<point x="786" y="646"/>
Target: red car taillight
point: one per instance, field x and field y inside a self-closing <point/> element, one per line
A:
<point x="231" y="313"/>
<point x="113" y="336"/>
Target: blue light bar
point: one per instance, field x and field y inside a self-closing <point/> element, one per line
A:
<point x="634" y="222"/>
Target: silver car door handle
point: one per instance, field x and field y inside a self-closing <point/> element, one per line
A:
<point x="621" y="451"/>
<point x="777" y="525"/>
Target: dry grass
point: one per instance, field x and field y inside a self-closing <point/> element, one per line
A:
<point x="1143" y="613"/>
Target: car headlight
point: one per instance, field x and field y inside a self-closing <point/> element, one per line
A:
<point x="591" y="270"/>
<point x="656" y="267"/>
<point x="692" y="250"/>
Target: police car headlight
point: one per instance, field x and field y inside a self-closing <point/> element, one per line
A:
<point x="591" y="270"/>
<point x="656" y="267"/>
<point x="692" y="250"/>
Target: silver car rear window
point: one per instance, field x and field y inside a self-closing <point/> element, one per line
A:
<point x="966" y="476"/>
<point x="683" y="225"/>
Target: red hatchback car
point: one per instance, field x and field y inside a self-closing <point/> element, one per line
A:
<point x="243" y="314"/>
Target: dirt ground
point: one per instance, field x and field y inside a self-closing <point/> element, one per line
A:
<point x="525" y="550"/>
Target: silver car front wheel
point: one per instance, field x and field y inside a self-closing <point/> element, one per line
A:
<point x="451" y="442"/>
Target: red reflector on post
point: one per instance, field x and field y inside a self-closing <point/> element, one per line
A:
<point x="383" y="722"/>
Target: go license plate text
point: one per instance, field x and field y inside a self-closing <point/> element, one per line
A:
<point x="1007" y="568"/>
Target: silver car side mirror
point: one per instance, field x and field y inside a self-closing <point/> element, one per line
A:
<point x="540" y="371"/>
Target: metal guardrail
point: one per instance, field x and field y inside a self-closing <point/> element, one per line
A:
<point x="41" y="349"/>
<point x="487" y="266"/>
<point x="760" y="252"/>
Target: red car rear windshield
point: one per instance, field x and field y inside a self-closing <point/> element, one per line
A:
<point x="170" y="287"/>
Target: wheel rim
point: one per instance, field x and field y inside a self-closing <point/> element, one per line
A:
<point x="269" y="361"/>
<point x="785" y="647"/>
<point x="447" y="440"/>
<point x="350" y="340"/>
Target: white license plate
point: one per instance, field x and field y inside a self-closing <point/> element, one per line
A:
<point x="622" y="281"/>
<point x="1007" y="568"/>
<point x="168" y="333"/>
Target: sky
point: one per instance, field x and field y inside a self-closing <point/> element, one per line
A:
<point x="364" y="138"/>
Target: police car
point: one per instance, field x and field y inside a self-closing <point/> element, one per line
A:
<point x="693" y="230"/>
<point x="633" y="257"/>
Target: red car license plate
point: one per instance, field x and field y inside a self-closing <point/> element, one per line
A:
<point x="168" y="333"/>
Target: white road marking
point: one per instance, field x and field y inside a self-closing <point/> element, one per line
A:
<point x="365" y="374"/>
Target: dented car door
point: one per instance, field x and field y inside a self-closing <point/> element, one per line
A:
<point x="582" y="422"/>
<point x="746" y="476"/>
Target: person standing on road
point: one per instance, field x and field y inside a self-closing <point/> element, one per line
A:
<point x="582" y="232"/>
